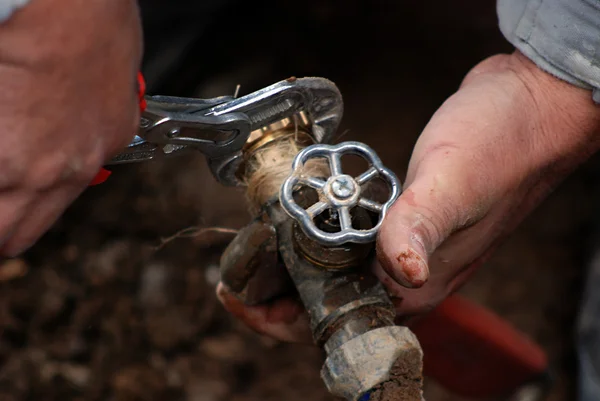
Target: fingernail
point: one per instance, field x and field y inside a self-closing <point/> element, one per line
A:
<point x="412" y="265"/>
<point x="405" y="264"/>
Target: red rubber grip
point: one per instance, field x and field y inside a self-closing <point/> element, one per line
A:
<point x="474" y="353"/>
<point x="103" y="174"/>
<point x="141" y="92"/>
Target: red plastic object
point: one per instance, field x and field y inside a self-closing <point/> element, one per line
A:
<point x="141" y="92"/>
<point x="103" y="174"/>
<point x="474" y="353"/>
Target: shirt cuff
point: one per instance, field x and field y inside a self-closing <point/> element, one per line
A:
<point x="562" y="37"/>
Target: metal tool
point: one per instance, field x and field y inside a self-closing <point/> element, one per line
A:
<point x="221" y="127"/>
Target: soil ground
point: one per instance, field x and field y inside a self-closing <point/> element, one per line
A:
<point x="95" y="312"/>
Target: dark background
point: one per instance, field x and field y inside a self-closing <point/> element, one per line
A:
<point x="95" y="312"/>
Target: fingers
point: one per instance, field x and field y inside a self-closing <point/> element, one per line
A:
<point x="40" y="215"/>
<point x="125" y="133"/>
<point x="459" y="170"/>
<point x="421" y="219"/>
<point x="410" y="302"/>
<point x="284" y="319"/>
<point x="13" y="207"/>
<point x="446" y="197"/>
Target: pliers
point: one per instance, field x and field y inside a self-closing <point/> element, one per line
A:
<point x="220" y="127"/>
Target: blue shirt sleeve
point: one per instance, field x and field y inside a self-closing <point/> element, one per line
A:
<point x="561" y="37"/>
<point x="8" y="7"/>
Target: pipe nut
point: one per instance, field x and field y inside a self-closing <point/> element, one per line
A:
<point x="384" y="360"/>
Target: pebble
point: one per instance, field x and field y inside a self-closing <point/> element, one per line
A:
<point x="11" y="269"/>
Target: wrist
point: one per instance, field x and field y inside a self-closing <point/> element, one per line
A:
<point x="566" y="115"/>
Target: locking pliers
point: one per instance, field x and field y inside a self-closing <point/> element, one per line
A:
<point x="220" y="127"/>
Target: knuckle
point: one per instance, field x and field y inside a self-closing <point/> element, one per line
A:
<point x="17" y="245"/>
<point x="60" y="168"/>
<point x="429" y="228"/>
<point x="14" y="169"/>
<point x="11" y="249"/>
<point x="88" y="167"/>
<point x="115" y="137"/>
<point x="442" y="208"/>
<point x="45" y="174"/>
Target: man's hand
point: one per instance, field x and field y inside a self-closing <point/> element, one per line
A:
<point x="489" y="155"/>
<point x="487" y="158"/>
<point x="68" y="102"/>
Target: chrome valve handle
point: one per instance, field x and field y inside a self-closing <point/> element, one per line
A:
<point x="339" y="192"/>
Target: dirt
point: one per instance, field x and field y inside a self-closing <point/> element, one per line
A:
<point x="415" y="268"/>
<point x="95" y="312"/>
<point x="405" y="384"/>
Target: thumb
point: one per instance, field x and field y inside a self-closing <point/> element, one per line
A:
<point x="420" y="220"/>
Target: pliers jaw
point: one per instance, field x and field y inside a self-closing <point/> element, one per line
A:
<point x="220" y="127"/>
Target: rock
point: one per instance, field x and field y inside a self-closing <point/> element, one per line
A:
<point x="169" y="329"/>
<point x="139" y="383"/>
<point x="229" y="347"/>
<point x="11" y="269"/>
<point x="212" y="275"/>
<point x="77" y="375"/>
<point x="153" y="291"/>
<point x="206" y="390"/>
<point x="105" y="265"/>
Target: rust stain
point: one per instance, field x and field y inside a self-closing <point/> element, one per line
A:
<point x="412" y="271"/>
<point x="413" y="267"/>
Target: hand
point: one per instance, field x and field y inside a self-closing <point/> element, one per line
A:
<point x="488" y="156"/>
<point x="68" y="102"/>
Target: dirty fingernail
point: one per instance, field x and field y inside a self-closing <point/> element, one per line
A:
<point x="412" y="267"/>
<point x="405" y="265"/>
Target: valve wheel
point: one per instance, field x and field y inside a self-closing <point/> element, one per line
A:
<point x="339" y="192"/>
